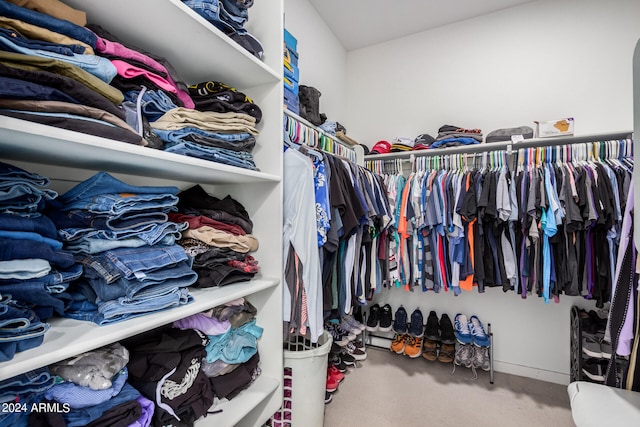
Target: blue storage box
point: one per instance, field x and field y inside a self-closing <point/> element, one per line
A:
<point x="292" y="85"/>
<point x="291" y="72"/>
<point x="290" y="56"/>
<point x="291" y="101"/>
<point x="289" y="41"/>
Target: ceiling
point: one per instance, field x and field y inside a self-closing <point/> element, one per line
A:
<point x="361" y="23"/>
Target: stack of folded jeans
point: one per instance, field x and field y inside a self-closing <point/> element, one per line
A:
<point x="230" y="17"/>
<point x="24" y="239"/>
<point x="33" y="266"/>
<point x="165" y="365"/>
<point x="22" y="391"/>
<point x="218" y="238"/>
<point x="226" y="138"/>
<point x="121" y="235"/>
<point x="20" y="328"/>
<point x="93" y="388"/>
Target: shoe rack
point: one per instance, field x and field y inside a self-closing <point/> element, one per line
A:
<point x="383" y="339"/>
<point x="590" y="363"/>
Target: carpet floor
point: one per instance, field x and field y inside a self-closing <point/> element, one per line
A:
<point x="394" y="390"/>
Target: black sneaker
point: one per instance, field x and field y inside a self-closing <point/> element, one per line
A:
<point x="359" y="344"/>
<point x="400" y="321"/>
<point x="328" y="397"/>
<point x="416" y="327"/>
<point x="595" y="369"/>
<point x="357" y="353"/>
<point x="386" y="318"/>
<point x="432" y="329"/>
<point x="374" y="318"/>
<point x="447" y="334"/>
<point x="600" y="322"/>
<point x="336" y="360"/>
<point x="347" y="359"/>
<point x="338" y="337"/>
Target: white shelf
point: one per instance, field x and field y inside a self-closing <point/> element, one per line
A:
<point x="197" y="50"/>
<point x="237" y="408"/>
<point x="69" y="337"/>
<point x="34" y="142"/>
<point x="502" y="145"/>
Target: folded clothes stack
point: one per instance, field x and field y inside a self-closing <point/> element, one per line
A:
<point x="218" y="238"/>
<point x="33" y="265"/>
<point x="127" y="246"/>
<point x="452" y="136"/>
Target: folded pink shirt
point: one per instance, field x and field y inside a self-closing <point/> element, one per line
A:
<point x="114" y="48"/>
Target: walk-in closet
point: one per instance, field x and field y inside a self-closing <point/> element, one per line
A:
<point x="319" y="213"/>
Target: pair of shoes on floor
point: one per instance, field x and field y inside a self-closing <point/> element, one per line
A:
<point x="472" y="356"/>
<point x="472" y="347"/>
<point x="595" y="346"/>
<point x="334" y="378"/>
<point x="592" y="321"/>
<point x="413" y="327"/>
<point x="349" y="323"/>
<point x="343" y="358"/>
<point x="435" y="350"/>
<point x="439" y="339"/>
<point x="407" y="344"/>
<point x="380" y="318"/>
<point x="339" y="335"/>
<point x="470" y="331"/>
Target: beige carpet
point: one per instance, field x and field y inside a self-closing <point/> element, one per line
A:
<point x="393" y="390"/>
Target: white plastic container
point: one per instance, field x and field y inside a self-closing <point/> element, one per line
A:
<point x="307" y="364"/>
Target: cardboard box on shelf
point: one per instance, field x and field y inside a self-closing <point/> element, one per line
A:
<point x="550" y="128"/>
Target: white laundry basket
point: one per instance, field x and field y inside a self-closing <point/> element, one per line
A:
<point x="305" y="381"/>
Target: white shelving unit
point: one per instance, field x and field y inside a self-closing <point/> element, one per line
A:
<point x="199" y="52"/>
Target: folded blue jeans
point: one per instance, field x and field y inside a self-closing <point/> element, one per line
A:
<point x="36" y="381"/>
<point x="29" y="235"/>
<point x="20" y="330"/>
<point x="218" y="155"/>
<point x="177" y="135"/>
<point x="125" y="309"/>
<point x="133" y="263"/>
<point x="92" y="246"/>
<point x="10" y="174"/>
<point x="40" y="224"/>
<point x="81" y="218"/>
<point x="13" y="249"/>
<point x="117" y="204"/>
<point x="156" y="282"/>
<point x="152" y="235"/>
<point x="154" y="103"/>
<point x="103" y="183"/>
<point x="22" y="197"/>
<point x="29" y="268"/>
<point x="210" y="10"/>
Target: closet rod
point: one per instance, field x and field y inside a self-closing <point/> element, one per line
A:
<point x="316" y="128"/>
<point x="503" y="145"/>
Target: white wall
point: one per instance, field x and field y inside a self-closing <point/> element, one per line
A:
<point x="543" y="60"/>
<point x="322" y="59"/>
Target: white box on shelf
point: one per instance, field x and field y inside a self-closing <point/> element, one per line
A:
<point x="551" y="128"/>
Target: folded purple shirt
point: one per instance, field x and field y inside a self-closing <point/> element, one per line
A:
<point x="207" y="325"/>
